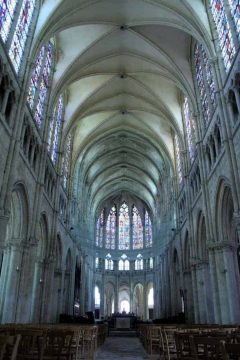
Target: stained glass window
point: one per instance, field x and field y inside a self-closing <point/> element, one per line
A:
<point x="97" y="297"/>
<point x="111" y="229"/>
<point x="124" y="224"/>
<point x="178" y="159"/>
<point x="151" y="263"/>
<point x="137" y="229"/>
<point x="40" y="81"/>
<point x="235" y="10"/>
<point x="67" y="161"/>
<point x="21" y="32"/>
<point x="205" y="82"/>
<point x="97" y="263"/>
<point x="55" y="128"/>
<point x="190" y="129"/>
<point x="148" y="230"/>
<point x="7" y="8"/>
<point x="224" y="32"/>
<point x="123" y="263"/>
<point x="201" y="84"/>
<point x="35" y="77"/>
<point x="139" y="262"/>
<point x="108" y="262"/>
<point x="99" y="229"/>
<point x="44" y="85"/>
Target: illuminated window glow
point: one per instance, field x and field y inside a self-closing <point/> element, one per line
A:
<point x="7" y="8"/>
<point x="21" y="32"/>
<point x="111" y="228"/>
<point x="124" y="225"/>
<point x="137" y="229"/>
<point x="224" y="32"/>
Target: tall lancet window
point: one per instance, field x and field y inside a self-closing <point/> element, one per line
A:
<point x="224" y="32"/>
<point x="205" y="82"/>
<point x="137" y="229"/>
<point x="99" y="229"/>
<point x="235" y="10"/>
<point x="124" y="226"/>
<point x="111" y="229"/>
<point x="55" y="129"/>
<point x="178" y="159"/>
<point x="190" y="129"/>
<point x="21" y="33"/>
<point x="66" y="164"/>
<point x="7" y="8"/>
<point x="148" y="230"/>
<point x="39" y="82"/>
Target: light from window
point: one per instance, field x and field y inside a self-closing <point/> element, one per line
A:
<point x="235" y="10"/>
<point x="7" y="8"/>
<point x="111" y="229"/>
<point x="99" y="229"/>
<point x="150" y="298"/>
<point x="178" y="159"/>
<point x="97" y="297"/>
<point x="54" y="129"/>
<point x="139" y="262"/>
<point x="148" y="230"/>
<point x="124" y="224"/>
<point x="137" y="229"/>
<point x="21" y="32"/>
<point x="224" y="33"/>
<point x="67" y="161"/>
<point x="189" y="128"/>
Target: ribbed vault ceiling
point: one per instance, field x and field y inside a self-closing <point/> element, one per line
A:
<point x="123" y="65"/>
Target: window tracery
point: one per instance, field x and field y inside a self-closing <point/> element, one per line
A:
<point x="67" y="161"/>
<point x="148" y="230"/>
<point x="108" y="262"/>
<point x="21" y="33"/>
<point x="124" y="227"/>
<point x="235" y="11"/>
<point x="123" y="264"/>
<point x="137" y="229"/>
<point x="111" y="229"/>
<point x="224" y="33"/>
<point x="178" y="159"/>
<point x="205" y="82"/>
<point x="190" y="129"/>
<point x="139" y="262"/>
<point x="7" y="8"/>
<point x="55" y="129"/>
<point x="117" y="225"/>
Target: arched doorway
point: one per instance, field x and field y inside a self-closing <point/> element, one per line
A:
<point x="138" y="304"/>
<point x="124" y="299"/>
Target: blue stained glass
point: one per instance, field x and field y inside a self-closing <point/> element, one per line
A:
<point x="209" y="76"/>
<point x="7" y="8"/>
<point x="200" y="82"/>
<point x="124" y="225"/>
<point x="235" y="10"/>
<point x="35" y="77"/>
<point x="54" y="131"/>
<point x="67" y="161"/>
<point x="224" y="32"/>
<point x="137" y="229"/>
<point x="44" y="85"/>
<point x="21" y="32"/>
<point x="178" y="159"/>
<point x="148" y="230"/>
<point x="189" y="128"/>
<point x="111" y="229"/>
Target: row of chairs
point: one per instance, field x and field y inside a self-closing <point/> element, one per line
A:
<point x="50" y="342"/>
<point x="191" y="342"/>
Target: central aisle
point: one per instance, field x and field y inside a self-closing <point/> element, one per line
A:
<point x="116" y="348"/>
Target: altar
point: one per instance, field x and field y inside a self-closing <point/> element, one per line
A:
<point x="123" y="323"/>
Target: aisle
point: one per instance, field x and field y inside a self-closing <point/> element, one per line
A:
<point x="124" y="348"/>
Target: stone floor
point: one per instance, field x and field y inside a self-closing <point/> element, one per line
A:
<point x="124" y="348"/>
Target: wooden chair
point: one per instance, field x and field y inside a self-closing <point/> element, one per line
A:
<point x="154" y="340"/>
<point x="183" y="346"/>
<point x="206" y="348"/>
<point x="169" y="345"/>
<point x="57" y="345"/>
<point x="230" y="351"/>
<point x="9" y="346"/>
<point x="31" y="344"/>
